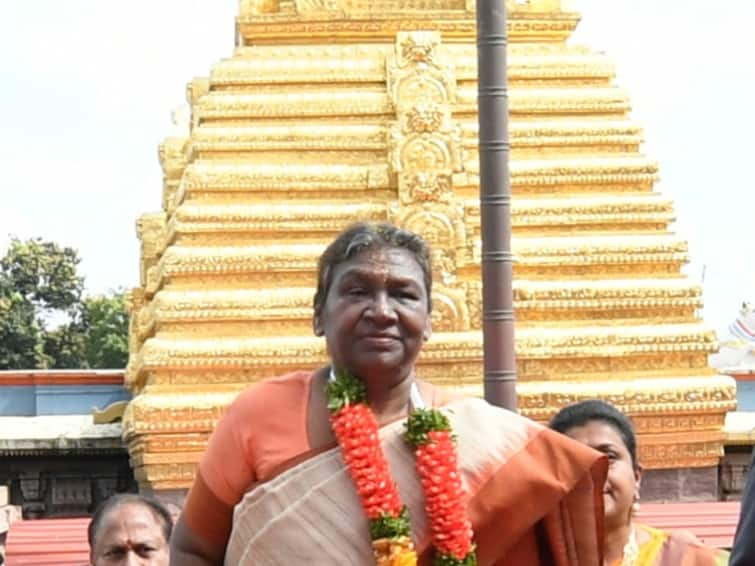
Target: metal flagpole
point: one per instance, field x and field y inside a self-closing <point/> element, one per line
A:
<point x="495" y="206"/>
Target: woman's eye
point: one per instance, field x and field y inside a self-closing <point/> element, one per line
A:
<point x="408" y="295"/>
<point x="356" y="292"/>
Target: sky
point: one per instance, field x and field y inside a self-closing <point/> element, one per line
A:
<point x="88" y="87"/>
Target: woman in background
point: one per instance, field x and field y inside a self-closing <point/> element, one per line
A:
<point x="627" y="543"/>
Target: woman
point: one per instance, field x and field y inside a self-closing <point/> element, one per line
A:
<point x="627" y="543"/>
<point x="530" y="495"/>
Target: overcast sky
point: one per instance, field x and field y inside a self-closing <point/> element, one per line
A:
<point x="88" y="86"/>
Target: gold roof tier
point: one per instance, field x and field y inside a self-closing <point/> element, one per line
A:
<point x="219" y="107"/>
<point x="536" y="302"/>
<point x="309" y="178"/>
<point x="330" y="111"/>
<point x="554" y="137"/>
<point x="527" y="65"/>
<point x="353" y="21"/>
<point x="248" y="223"/>
<point x="451" y="358"/>
<point x="570" y="257"/>
<point x="620" y="301"/>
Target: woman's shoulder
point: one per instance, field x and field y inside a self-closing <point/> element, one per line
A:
<point x="683" y="536"/>
<point x="683" y="546"/>
<point x="280" y="391"/>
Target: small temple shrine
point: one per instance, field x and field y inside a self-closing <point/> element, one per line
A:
<point x="332" y="111"/>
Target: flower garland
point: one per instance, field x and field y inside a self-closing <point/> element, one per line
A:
<point x="429" y="432"/>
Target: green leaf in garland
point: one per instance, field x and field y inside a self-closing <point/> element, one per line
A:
<point x="422" y="421"/>
<point x="446" y="560"/>
<point x="344" y="390"/>
<point x="388" y="526"/>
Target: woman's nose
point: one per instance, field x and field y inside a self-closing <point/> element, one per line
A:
<point x="381" y="306"/>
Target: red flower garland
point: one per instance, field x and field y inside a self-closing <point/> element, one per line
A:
<point x="356" y="431"/>
<point x="357" y="434"/>
<point x="429" y="432"/>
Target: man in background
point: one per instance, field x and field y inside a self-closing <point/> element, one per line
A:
<point x="132" y="530"/>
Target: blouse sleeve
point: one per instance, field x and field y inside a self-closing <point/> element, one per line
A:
<point x="226" y="471"/>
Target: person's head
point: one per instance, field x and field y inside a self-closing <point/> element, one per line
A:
<point x="372" y="302"/>
<point x="606" y="429"/>
<point x="130" y="530"/>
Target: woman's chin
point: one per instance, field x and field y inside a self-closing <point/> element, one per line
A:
<point x="609" y="509"/>
<point x="378" y="366"/>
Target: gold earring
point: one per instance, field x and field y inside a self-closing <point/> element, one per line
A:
<point x="636" y="503"/>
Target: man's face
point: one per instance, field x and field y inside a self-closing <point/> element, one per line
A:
<point x="130" y="535"/>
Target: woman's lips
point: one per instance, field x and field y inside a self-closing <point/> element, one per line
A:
<point x="380" y="341"/>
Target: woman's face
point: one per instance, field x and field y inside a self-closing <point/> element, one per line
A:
<point x="375" y="316"/>
<point x="623" y="480"/>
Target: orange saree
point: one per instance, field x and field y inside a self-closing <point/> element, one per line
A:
<point x="535" y="498"/>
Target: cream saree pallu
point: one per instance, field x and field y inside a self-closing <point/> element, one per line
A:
<point x="534" y="499"/>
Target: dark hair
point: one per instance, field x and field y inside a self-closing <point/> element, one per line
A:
<point x="584" y="412"/>
<point x="120" y="499"/>
<point x="362" y="237"/>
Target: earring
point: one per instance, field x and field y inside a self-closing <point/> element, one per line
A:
<point x="636" y="503"/>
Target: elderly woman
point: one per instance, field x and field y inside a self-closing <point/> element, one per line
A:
<point x="627" y="543"/>
<point x="324" y="467"/>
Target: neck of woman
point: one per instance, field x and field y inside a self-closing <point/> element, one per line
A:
<point x="615" y="541"/>
<point x="389" y="401"/>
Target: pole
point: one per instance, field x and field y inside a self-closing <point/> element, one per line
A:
<point x="495" y="206"/>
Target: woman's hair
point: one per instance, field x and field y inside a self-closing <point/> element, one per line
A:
<point x="366" y="237"/>
<point x="115" y="501"/>
<point x="584" y="412"/>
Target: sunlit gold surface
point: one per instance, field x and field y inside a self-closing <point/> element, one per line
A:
<point x="331" y="111"/>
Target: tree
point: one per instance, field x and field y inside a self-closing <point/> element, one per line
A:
<point x="106" y="323"/>
<point x="38" y="282"/>
<point x="46" y="322"/>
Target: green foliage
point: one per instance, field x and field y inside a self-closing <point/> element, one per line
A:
<point x="46" y="322"/>
<point x="446" y="560"/>
<point x="422" y="421"/>
<point x="387" y="526"/>
<point x="43" y="273"/>
<point x="344" y="390"/>
<point x="106" y="323"/>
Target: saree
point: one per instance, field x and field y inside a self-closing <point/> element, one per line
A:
<point x="675" y="549"/>
<point x="535" y="497"/>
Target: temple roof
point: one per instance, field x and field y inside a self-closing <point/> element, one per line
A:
<point x="59" y="433"/>
<point x="42" y="542"/>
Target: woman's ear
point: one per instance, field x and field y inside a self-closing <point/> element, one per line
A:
<point x="428" y="331"/>
<point x="317" y="326"/>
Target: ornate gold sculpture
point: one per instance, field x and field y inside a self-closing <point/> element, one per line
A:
<point x="335" y="110"/>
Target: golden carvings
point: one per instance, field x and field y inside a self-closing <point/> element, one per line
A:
<point x="331" y="111"/>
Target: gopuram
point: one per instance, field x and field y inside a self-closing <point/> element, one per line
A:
<point x="331" y="111"/>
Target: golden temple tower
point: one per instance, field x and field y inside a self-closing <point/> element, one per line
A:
<point x="330" y="111"/>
